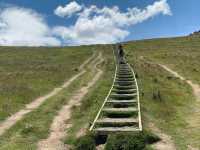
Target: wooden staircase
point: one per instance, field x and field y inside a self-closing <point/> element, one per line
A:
<point x="120" y="111"/>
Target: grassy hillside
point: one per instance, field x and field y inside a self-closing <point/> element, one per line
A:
<point x="165" y="100"/>
<point x="181" y="54"/>
<point x="36" y="125"/>
<point x="27" y="73"/>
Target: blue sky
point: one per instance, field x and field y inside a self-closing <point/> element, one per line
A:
<point x="176" y="19"/>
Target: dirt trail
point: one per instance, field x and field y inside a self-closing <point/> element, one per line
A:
<point x="60" y="122"/>
<point x="166" y="143"/>
<point x="193" y="119"/>
<point x="10" y="121"/>
<point x="195" y="87"/>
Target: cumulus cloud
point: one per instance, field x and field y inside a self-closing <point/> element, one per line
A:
<point x="24" y="27"/>
<point x="107" y="25"/>
<point x="93" y="25"/>
<point x="68" y="9"/>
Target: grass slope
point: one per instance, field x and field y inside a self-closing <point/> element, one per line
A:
<point x="181" y="54"/>
<point x="35" y="125"/>
<point x="84" y="115"/>
<point x="27" y="73"/>
<point x="165" y="100"/>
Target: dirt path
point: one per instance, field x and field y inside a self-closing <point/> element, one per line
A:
<point x="166" y="143"/>
<point x="193" y="119"/>
<point x="10" y="121"/>
<point x="60" y="122"/>
<point x="195" y="87"/>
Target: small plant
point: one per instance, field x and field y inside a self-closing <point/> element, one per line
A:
<point x="76" y="69"/>
<point x="130" y="141"/>
<point x="155" y="80"/>
<point x="27" y="129"/>
<point x="86" y="142"/>
<point x="169" y="77"/>
<point x="157" y="95"/>
<point x="136" y="76"/>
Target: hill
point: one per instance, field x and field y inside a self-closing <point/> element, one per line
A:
<point x="169" y="105"/>
<point x="167" y="101"/>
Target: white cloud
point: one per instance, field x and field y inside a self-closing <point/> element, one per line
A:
<point x="68" y="9"/>
<point x="106" y="25"/>
<point x="24" y="27"/>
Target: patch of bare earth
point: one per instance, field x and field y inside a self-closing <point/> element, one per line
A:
<point x="82" y="131"/>
<point x="100" y="147"/>
<point x="166" y="142"/>
<point x="10" y="121"/>
<point x="61" y="121"/>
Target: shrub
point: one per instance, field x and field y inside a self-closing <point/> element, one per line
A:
<point x="86" y="142"/>
<point x="157" y="95"/>
<point x="130" y="141"/>
<point x="149" y="137"/>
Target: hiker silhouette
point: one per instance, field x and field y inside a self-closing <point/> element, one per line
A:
<point x="121" y="51"/>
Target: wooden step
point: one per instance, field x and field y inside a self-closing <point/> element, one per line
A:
<point x="117" y="120"/>
<point x="125" y="79"/>
<point x="116" y="129"/>
<point x="124" y="73"/>
<point x="123" y="96"/>
<point x="121" y="101"/>
<point x="128" y="109"/>
<point x="125" y="70"/>
<point x="124" y="65"/>
<point x="124" y="82"/>
<point x="124" y="76"/>
<point x="123" y="91"/>
<point x="124" y="87"/>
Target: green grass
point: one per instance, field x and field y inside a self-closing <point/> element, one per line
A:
<point x="166" y="101"/>
<point x="171" y="109"/>
<point x="85" y="114"/>
<point x="130" y="141"/>
<point x="27" y="73"/>
<point x="35" y="126"/>
<point x="181" y="54"/>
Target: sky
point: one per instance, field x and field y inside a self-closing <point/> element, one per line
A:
<point x="82" y="22"/>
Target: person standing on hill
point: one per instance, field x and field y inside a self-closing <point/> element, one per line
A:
<point x="121" y="51"/>
<point x="121" y="54"/>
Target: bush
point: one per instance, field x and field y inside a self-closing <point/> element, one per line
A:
<point x="86" y="142"/>
<point x="149" y="138"/>
<point x="130" y="141"/>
